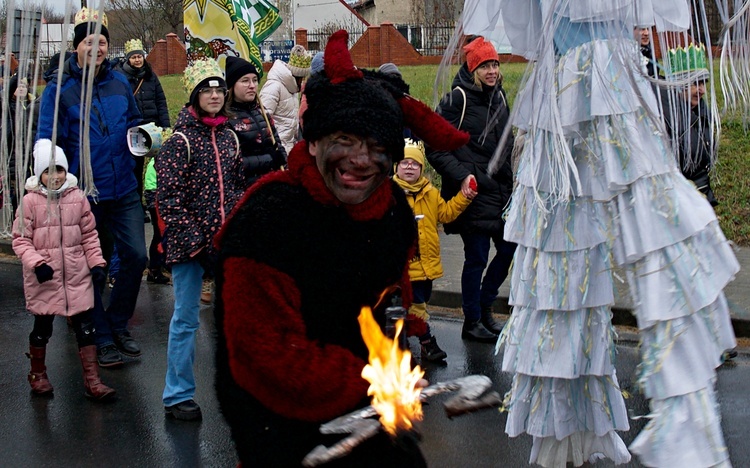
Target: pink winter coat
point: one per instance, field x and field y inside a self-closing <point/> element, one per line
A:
<point x="63" y="235"/>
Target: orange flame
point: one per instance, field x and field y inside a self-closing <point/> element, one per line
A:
<point x="393" y="383"/>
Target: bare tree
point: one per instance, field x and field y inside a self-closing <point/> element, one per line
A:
<point x="148" y="20"/>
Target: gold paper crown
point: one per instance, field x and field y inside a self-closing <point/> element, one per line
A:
<point x="199" y="71"/>
<point x="89" y="15"/>
<point x="133" y="44"/>
<point x="299" y="61"/>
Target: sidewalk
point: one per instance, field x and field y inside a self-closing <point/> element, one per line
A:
<point x="447" y="290"/>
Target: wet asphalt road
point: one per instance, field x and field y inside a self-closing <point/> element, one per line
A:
<point x="70" y="431"/>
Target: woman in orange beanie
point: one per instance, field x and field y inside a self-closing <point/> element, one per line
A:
<point x="477" y="105"/>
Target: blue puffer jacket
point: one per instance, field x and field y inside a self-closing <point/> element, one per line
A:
<point x="114" y="110"/>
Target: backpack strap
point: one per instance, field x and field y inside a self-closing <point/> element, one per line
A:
<point x="463" y="111"/>
<point x="187" y="142"/>
<point x="236" y="140"/>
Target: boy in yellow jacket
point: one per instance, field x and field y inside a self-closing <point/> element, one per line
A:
<point x="429" y="210"/>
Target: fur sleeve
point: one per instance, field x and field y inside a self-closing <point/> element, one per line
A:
<point x="270" y="355"/>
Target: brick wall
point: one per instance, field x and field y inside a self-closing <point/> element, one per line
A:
<point x="168" y="57"/>
<point x="382" y="44"/>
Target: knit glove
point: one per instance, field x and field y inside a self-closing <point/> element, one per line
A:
<point x="98" y="276"/>
<point x="43" y="273"/>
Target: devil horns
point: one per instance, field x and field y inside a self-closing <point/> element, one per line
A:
<point x="425" y="123"/>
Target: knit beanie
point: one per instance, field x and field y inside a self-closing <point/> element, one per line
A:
<point x="85" y="25"/>
<point x="366" y="104"/>
<point x="43" y="153"/>
<point x="414" y="150"/>
<point x="236" y="68"/>
<point x="479" y="51"/>
<point x="299" y="62"/>
<point x="202" y="73"/>
<point x="389" y="69"/>
<point x="316" y="66"/>
<point x="133" y="47"/>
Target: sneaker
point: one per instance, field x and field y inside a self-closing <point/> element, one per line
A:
<point x="431" y="351"/>
<point x="185" y="411"/>
<point x="156" y="276"/>
<point x="475" y="331"/>
<point x="207" y="291"/>
<point x="126" y="344"/>
<point x="109" y="356"/>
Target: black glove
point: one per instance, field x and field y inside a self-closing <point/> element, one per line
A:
<point x="98" y="276"/>
<point x="43" y="273"/>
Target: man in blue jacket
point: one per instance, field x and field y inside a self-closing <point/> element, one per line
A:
<point x="116" y="204"/>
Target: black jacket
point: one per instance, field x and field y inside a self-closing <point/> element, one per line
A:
<point x="150" y="96"/>
<point x="262" y="152"/>
<point x="486" y="108"/>
<point x="690" y="131"/>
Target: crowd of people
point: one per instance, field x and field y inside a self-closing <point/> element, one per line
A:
<point x="304" y="200"/>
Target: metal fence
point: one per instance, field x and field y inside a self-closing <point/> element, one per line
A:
<point x="318" y="38"/>
<point x="427" y="40"/>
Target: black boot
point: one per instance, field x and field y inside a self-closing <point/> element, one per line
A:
<point x="431" y="351"/>
<point x="489" y="321"/>
<point x="475" y="331"/>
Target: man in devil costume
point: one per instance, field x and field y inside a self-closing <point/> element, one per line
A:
<point x="302" y="253"/>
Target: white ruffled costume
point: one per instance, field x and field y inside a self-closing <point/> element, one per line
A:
<point x="598" y="187"/>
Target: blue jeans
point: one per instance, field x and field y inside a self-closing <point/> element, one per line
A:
<point x="478" y="293"/>
<point x="187" y="279"/>
<point x="120" y="222"/>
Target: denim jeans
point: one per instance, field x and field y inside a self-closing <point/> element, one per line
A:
<point x="187" y="279"/>
<point x="478" y="293"/>
<point x="120" y="223"/>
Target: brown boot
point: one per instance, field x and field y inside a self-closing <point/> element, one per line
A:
<point x="95" y="389"/>
<point x="38" y="374"/>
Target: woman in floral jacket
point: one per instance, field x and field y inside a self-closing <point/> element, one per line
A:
<point x="200" y="179"/>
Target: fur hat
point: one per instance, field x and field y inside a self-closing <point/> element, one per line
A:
<point x="43" y="153"/>
<point x="299" y="62"/>
<point x="236" y="68"/>
<point x="369" y="104"/>
<point x="132" y="47"/>
<point x="479" y="51"/>
<point x="201" y="73"/>
<point x="85" y="25"/>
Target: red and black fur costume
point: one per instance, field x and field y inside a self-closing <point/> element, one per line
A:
<point x="296" y="266"/>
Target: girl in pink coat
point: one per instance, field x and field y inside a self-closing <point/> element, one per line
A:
<point x="54" y="235"/>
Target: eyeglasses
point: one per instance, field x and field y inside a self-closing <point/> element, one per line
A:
<point x="209" y="91"/>
<point x="409" y="163"/>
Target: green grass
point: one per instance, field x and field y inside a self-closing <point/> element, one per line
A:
<point x="731" y="184"/>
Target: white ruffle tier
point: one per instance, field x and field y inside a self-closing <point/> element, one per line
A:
<point x="633" y="209"/>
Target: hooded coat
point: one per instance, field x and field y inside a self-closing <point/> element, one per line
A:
<point x="279" y="96"/>
<point x="199" y="181"/>
<point x="429" y="209"/>
<point x="485" y="108"/>
<point x="148" y="93"/>
<point x="60" y="232"/>
<point x="114" y="111"/>
<point x="260" y="145"/>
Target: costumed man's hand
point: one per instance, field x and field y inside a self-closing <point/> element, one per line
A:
<point x="43" y="273"/>
<point x="99" y="277"/>
<point x="469" y="187"/>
